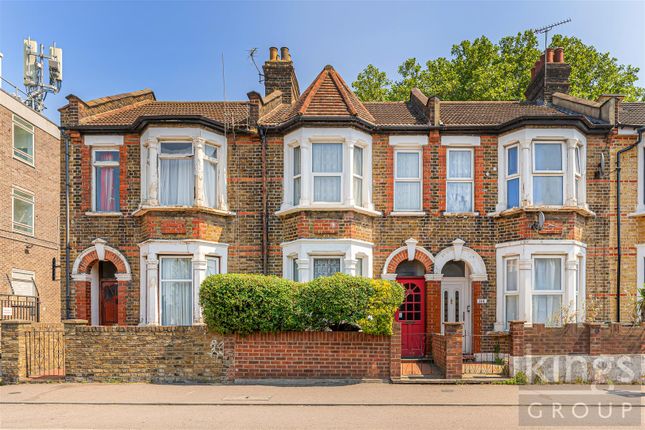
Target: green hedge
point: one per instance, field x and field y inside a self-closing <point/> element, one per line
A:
<point x="254" y="303"/>
<point x="248" y="303"/>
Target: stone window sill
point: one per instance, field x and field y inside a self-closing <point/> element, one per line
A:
<point x="408" y="213"/>
<point x="548" y="209"/>
<point x="640" y="214"/>
<point x="200" y="209"/>
<point x="108" y="214"/>
<point x="461" y="214"/>
<point x="328" y="208"/>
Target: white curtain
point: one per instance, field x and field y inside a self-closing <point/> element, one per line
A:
<point x="210" y="184"/>
<point x="407" y="165"/>
<point x="548" y="274"/>
<point x="358" y="191"/>
<point x="459" y="197"/>
<point x="511" y="274"/>
<point x="547" y="190"/>
<point x="358" y="161"/>
<point x="176" y="291"/>
<point x="177" y="182"/>
<point x="212" y="266"/>
<point x="407" y="196"/>
<point x="327" y="188"/>
<point x="459" y="166"/>
<point x="546" y="309"/>
<point x="327" y="157"/>
<point x="511" y="308"/>
<point x="548" y="156"/>
<point x="107" y="188"/>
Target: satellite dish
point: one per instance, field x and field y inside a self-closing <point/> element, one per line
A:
<point x="539" y="223"/>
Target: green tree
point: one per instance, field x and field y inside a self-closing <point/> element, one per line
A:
<point x="483" y="70"/>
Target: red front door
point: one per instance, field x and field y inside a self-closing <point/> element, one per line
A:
<point x="412" y="315"/>
<point x="108" y="303"/>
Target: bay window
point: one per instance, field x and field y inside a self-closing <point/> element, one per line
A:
<point x="548" y="174"/>
<point x="183" y="166"/>
<point x="327" y="168"/>
<point x="459" y="182"/>
<point x="542" y="168"/>
<point x="105" y="164"/>
<point x="512" y="177"/>
<point x="23" y="140"/>
<point x="176" y="176"/>
<point x="176" y="291"/>
<point x="407" y="180"/>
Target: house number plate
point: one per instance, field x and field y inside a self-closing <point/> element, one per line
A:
<point x="482" y="301"/>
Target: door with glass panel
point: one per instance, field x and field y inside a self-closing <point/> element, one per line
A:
<point x="176" y="287"/>
<point x="455" y="307"/>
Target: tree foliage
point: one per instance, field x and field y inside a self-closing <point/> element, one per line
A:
<point x="483" y="70"/>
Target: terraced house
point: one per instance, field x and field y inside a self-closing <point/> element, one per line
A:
<point x="487" y="212"/>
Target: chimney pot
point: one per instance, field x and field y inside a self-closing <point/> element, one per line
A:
<point x="273" y="53"/>
<point x="284" y="54"/>
<point x="559" y="55"/>
<point x="549" y="55"/>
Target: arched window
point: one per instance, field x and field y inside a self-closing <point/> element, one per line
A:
<point x="410" y="268"/>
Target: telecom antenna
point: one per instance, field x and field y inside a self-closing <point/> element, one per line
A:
<point x="545" y="30"/>
<point x="34" y="73"/>
<point x="252" y="53"/>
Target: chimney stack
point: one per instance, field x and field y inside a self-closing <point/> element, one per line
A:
<point x="557" y="76"/>
<point x="280" y="75"/>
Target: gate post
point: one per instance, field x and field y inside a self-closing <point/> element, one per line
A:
<point x="13" y="363"/>
<point x="454" y="349"/>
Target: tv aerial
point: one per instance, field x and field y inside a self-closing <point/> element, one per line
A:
<point x="252" y="53"/>
<point x="34" y="57"/>
<point x="545" y="30"/>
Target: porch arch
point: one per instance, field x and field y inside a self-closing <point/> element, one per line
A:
<point x="459" y="252"/>
<point x="408" y="252"/>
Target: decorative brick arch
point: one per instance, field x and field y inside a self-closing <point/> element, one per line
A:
<point x="408" y="252"/>
<point x="83" y="280"/>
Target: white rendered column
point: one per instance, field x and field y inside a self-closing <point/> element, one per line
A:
<point x="570" y="173"/>
<point x="152" y="273"/>
<point x="153" y="172"/>
<point x="571" y="283"/>
<point x="350" y="266"/>
<point x="348" y="191"/>
<point x="526" y="284"/>
<point x="199" y="274"/>
<point x="303" y="270"/>
<point x="198" y="144"/>
<point x="525" y="173"/>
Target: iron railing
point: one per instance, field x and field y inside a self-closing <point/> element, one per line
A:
<point x="16" y="307"/>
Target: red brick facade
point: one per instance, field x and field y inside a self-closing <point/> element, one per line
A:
<point x="255" y="229"/>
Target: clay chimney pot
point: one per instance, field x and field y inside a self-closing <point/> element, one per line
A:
<point x="559" y="55"/>
<point x="549" y="55"/>
<point x="273" y="53"/>
<point x="284" y="54"/>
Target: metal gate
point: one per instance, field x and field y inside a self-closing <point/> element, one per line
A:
<point x="45" y="351"/>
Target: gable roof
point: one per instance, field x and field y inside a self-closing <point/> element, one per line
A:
<point x="632" y="113"/>
<point x="327" y="96"/>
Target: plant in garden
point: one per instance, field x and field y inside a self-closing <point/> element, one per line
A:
<point x="238" y="303"/>
<point x="384" y="302"/>
<point x="333" y="301"/>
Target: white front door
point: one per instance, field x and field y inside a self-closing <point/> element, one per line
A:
<point x="455" y="306"/>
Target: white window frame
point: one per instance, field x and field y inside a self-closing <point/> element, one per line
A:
<point x="358" y="177"/>
<point x="216" y="258"/>
<point x="305" y="138"/>
<point x="559" y="293"/>
<point x="304" y="251"/>
<point x="297" y="177"/>
<point x="186" y="156"/>
<point x="398" y="179"/>
<point x="526" y="138"/>
<point x="32" y="201"/>
<point x="574" y="258"/>
<point x="18" y="121"/>
<point x="326" y="257"/>
<point x="214" y="161"/>
<point x="339" y="175"/>
<point x="161" y="281"/>
<point x="22" y="275"/>
<point x="470" y="180"/>
<point x="104" y="164"/>
<point x="151" y="140"/>
<point x="508" y="293"/>
<point x="535" y="173"/>
<point x="510" y="177"/>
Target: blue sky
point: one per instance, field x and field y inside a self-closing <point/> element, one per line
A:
<point x="176" y="48"/>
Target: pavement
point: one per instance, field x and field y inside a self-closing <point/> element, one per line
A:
<point x="324" y="406"/>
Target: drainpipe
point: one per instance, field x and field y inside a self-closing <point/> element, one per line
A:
<point x="618" y="222"/>
<point x="265" y="208"/>
<point x="68" y="313"/>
